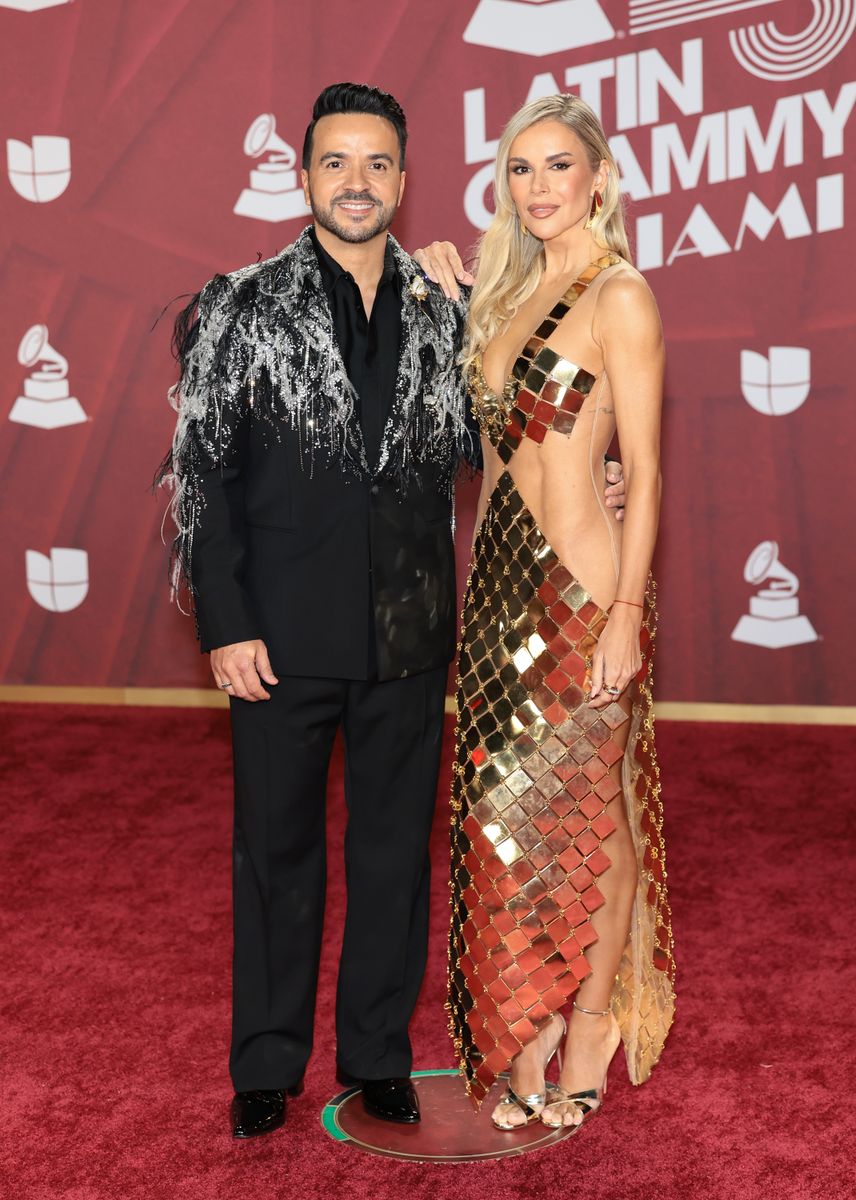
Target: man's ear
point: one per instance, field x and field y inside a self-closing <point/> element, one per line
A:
<point x="401" y="184"/>
<point x="304" y="179"/>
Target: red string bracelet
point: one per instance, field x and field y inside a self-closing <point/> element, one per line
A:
<point x="632" y="602"/>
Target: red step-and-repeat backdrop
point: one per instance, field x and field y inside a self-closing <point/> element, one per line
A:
<point x="147" y="146"/>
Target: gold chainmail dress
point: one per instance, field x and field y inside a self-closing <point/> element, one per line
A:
<point x="532" y="780"/>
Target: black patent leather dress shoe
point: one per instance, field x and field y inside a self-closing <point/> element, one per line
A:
<point x="259" y="1112"/>
<point x="391" y="1100"/>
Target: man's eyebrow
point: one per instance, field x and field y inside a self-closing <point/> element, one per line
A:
<point x="344" y="154"/>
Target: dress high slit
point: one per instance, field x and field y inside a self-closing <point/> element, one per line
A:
<point x="536" y="768"/>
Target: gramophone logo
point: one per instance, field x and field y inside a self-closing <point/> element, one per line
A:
<point x="538" y="27"/>
<point x="774" y="618"/>
<point x="39" y="172"/>
<point x="777" y="383"/>
<point x="32" y="5"/>
<point x="58" y="583"/>
<point x="274" y="193"/>
<point x="46" y="403"/>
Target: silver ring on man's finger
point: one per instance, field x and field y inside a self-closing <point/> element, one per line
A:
<point x="225" y="686"/>
<point x="613" y="691"/>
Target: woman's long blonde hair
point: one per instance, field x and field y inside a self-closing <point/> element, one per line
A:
<point x="510" y="260"/>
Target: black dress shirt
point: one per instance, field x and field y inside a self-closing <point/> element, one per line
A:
<point x="370" y="349"/>
<point x="369" y="345"/>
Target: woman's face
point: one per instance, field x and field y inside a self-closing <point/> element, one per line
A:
<point x="551" y="180"/>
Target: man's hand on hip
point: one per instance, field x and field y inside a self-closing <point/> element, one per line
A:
<point x="239" y="670"/>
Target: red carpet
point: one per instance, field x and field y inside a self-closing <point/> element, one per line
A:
<point x="115" y="879"/>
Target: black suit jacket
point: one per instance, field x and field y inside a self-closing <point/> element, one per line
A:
<point x="285" y="533"/>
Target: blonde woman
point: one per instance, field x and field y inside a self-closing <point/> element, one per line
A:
<point x="561" y="934"/>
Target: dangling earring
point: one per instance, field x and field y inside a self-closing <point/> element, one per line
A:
<point x="595" y="211"/>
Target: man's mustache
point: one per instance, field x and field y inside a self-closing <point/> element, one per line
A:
<point x="363" y="197"/>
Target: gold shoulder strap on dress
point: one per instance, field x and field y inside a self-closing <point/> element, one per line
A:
<point x="560" y="311"/>
<point x="590" y="273"/>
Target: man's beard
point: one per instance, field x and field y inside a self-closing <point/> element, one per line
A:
<point x="326" y="218"/>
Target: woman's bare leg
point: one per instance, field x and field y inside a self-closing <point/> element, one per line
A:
<point x="591" y="1040"/>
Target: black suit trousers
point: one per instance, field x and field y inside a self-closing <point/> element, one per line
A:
<point x="393" y="735"/>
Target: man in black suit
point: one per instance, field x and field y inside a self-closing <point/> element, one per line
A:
<point x="321" y="421"/>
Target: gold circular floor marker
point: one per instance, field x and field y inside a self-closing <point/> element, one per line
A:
<point x="450" y="1131"/>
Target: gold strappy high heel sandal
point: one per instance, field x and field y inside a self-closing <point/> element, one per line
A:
<point x="526" y="1104"/>
<point x="590" y="1100"/>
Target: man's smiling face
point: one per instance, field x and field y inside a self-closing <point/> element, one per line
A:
<point x="355" y="182"/>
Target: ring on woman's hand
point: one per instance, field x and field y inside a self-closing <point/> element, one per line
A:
<point x="225" y="686"/>
<point x="613" y="691"/>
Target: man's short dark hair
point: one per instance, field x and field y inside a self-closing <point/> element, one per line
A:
<point x="356" y="98"/>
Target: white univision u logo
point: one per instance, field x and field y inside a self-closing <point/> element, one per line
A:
<point x="60" y="582"/>
<point x="776" y="383"/>
<point x="538" y="27"/>
<point x="39" y="171"/>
